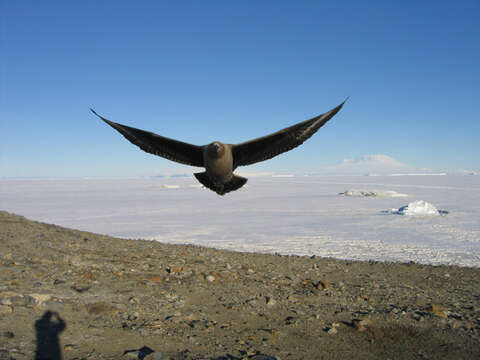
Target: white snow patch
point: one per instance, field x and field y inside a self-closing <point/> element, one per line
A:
<point x="376" y="193"/>
<point x="465" y="172"/>
<point x="417" y="208"/>
<point x="251" y="174"/>
<point x="168" y="186"/>
<point x="414" y="174"/>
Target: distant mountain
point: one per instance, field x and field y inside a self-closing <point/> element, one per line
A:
<point x="377" y="164"/>
<point x="465" y="172"/>
<point x="172" y="175"/>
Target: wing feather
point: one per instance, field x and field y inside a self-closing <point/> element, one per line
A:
<point x="152" y="143"/>
<point x="269" y="146"/>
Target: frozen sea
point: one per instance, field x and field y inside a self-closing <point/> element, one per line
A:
<point x="286" y="215"/>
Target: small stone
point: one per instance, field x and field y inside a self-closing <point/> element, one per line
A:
<point x="137" y="354"/>
<point x="6" y="302"/>
<point x="8" y="334"/>
<point x="270" y="301"/>
<point x="133" y="316"/>
<point x="132" y="355"/>
<point x="102" y="308"/>
<point x="80" y="288"/>
<point x="155" y="356"/>
<point x="40" y="298"/>
<point x="6" y="309"/>
<point x="455" y="316"/>
<point x="20" y="300"/>
<point x="53" y="305"/>
<point x="290" y="320"/>
<point x="322" y="285"/>
<point x="134" y="300"/>
<point x="359" y="324"/>
<point x="174" y="269"/>
<point x="332" y="331"/>
<point x="251" y="352"/>
<point x="417" y="316"/>
<point x="264" y="357"/>
<point x="438" y="310"/>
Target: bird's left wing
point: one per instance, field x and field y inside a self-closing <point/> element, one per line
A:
<point x="267" y="147"/>
<point x="159" y="145"/>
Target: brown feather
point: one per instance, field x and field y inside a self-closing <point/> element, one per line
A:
<point x="152" y="143"/>
<point x="267" y="147"/>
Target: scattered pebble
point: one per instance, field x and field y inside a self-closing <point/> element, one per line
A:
<point x="270" y="301"/>
<point x="332" y="331"/>
<point x="6" y="309"/>
<point x="8" y="334"/>
<point x="438" y="310"/>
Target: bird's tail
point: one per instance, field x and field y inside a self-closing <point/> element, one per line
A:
<point x="221" y="189"/>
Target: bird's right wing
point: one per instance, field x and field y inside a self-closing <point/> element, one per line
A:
<point x="267" y="147"/>
<point x="158" y="145"/>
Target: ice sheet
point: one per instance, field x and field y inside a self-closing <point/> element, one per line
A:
<point x="287" y="215"/>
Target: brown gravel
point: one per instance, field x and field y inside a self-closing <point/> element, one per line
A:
<point x="76" y="295"/>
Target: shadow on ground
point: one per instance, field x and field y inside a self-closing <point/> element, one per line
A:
<point x="48" y="329"/>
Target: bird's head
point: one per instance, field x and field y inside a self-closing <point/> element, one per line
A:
<point x="216" y="149"/>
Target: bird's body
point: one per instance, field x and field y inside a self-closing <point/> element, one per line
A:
<point x="218" y="159"/>
<point x="218" y="162"/>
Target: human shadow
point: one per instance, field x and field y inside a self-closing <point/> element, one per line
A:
<point x="48" y="328"/>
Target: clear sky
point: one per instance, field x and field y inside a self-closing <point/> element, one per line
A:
<point x="206" y="70"/>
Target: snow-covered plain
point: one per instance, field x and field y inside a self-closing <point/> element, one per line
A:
<point x="287" y="215"/>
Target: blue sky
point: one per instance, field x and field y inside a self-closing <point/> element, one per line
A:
<point x="201" y="71"/>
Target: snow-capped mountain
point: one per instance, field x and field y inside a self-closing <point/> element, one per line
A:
<point x="369" y="165"/>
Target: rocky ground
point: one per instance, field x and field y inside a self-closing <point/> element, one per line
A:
<point x="67" y="294"/>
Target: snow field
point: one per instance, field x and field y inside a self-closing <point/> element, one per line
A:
<point x="287" y="215"/>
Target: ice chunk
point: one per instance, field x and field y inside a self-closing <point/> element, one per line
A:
<point x="392" y="193"/>
<point x="418" y="207"/>
<point x="376" y="193"/>
<point x="169" y="186"/>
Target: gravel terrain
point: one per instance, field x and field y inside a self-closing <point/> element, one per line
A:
<point x="68" y="294"/>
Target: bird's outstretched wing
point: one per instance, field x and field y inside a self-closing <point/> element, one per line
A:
<point x="267" y="147"/>
<point x="158" y="145"/>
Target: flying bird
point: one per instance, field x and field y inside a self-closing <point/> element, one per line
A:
<point x="219" y="159"/>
